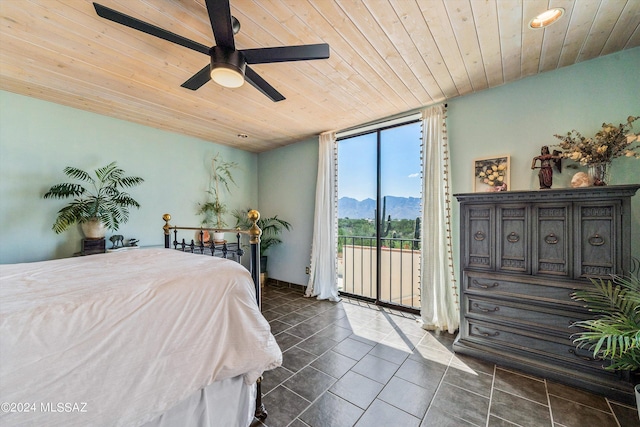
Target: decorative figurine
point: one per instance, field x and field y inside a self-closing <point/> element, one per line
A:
<point x="545" y="175"/>
<point x="133" y="242"/>
<point x="117" y="240"/>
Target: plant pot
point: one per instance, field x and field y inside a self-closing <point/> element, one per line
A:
<point x="93" y="229"/>
<point x="218" y="237"/>
<point x="637" y="390"/>
<point x="205" y="237"/>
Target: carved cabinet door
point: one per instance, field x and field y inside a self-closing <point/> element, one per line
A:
<point x="512" y="232"/>
<point x="598" y="237"/>
<point x="551" y="243"/>
<point x="478" y="236"/>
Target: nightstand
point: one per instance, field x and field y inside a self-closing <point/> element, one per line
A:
<point x="93" y="246"/>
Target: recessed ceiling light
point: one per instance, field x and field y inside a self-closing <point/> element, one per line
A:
<point x="546" y="18"/>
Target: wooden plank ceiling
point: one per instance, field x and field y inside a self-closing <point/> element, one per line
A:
<point x="387" y="57"/>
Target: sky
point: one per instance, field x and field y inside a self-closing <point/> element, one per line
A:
<point x="400" y="164"/>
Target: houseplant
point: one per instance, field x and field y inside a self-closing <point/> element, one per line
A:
<point x="614" y="334"/>
<point x="271" y="230"/>
<point x="101" y="204"/>
<point x="214" y="209"/>
<point x="598" y="151"/>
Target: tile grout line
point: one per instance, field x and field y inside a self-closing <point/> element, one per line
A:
<point x="615" y="417"/>
<point x="436" y="391"/>
<point x="493" y="381"/>
<point x="523" y="397"/>
<point x="590" y="407"/>
<point x="522" y="374"/>
<point x="546" y="392"/>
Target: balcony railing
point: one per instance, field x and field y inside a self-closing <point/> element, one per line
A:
<point x="399" y="269"/>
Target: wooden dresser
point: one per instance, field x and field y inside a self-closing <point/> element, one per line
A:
<point x="522" y="255"/>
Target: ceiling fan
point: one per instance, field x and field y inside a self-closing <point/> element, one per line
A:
<point x="228" y="65"/>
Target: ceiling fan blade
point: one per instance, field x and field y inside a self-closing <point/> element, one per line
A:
<point x="261" y="84"/>
<point x="220" y="17"/>
<point x="136" y="24"/>
<point x="267" y="55"/>
<point x="198" y="79"/>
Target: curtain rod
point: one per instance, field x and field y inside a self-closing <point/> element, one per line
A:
<point x="375" y="123"/>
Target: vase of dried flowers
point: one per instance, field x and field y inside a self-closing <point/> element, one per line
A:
<point x="599" y="173"/>
<point x="598" y="151"/>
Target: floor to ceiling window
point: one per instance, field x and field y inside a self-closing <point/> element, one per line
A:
<point x="379" y="200"/>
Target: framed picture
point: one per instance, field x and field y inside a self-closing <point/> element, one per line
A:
<point x="491" y="174"/>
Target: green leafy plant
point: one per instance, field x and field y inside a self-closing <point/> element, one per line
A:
<point x="271" y="229"/>
<point x="101" y="199"/>
<point x="219" y="180"/>
<point x="614" y="334"/>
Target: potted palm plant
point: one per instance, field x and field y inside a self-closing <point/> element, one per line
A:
<point x="271" y="228"/>
<point x="99" y="205"/>
<point x="614" y="334"/>
<point x="214" y="209"/>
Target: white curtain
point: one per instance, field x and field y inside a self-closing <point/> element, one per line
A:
<point x="439" y="292"/>
<point x="323" y="279"/>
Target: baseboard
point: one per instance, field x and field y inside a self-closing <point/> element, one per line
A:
<point x="276" y="283"/>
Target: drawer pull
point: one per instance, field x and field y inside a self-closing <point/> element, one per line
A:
<point x="482" y="285"/>
<point x="551" y="239"/>
<point x="486" y="310"/>
<point x="487" y="334"/>
<point x="596" y="240"/>
<point x="587" y="358"/>
<point x="513" y="237"/>
<point x="479" y="236"/>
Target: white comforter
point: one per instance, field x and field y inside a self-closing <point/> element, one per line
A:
<point x="117" y="338"/>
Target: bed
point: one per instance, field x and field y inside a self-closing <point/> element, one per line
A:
<point x="151" y="336"/>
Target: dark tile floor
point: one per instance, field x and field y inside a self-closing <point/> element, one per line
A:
<point x="354" y="364"/>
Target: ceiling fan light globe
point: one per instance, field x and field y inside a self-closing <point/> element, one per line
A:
<point x="227" y="77"/>
<point x="227" y="67"/>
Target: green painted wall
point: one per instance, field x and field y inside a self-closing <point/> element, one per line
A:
<point x="287" y="182"/>
<point x="39" y="139"/>
<point x="518" y="118"/>
<point x="514" y="119"/>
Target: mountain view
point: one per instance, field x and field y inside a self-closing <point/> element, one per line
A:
<point x="397" y="207"/>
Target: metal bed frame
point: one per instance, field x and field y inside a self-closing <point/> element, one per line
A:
<point x="210" y="248"/>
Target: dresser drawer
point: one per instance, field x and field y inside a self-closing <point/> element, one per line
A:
<point x="534" y="345"/>
<point x="542" y="319"/>
<point x="526" y="288"/>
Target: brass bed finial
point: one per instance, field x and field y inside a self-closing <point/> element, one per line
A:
<point x="254" y="230"/>
<point x="166" y="226"/>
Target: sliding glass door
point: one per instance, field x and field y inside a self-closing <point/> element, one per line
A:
<point x="379" y="200"/>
